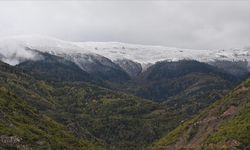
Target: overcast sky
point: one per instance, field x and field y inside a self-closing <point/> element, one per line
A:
<point x="190" y="24"/>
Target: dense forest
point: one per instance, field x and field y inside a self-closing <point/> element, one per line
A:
<point x="87" y="113"/>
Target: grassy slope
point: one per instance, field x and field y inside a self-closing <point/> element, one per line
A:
<point x="225" y="124"/>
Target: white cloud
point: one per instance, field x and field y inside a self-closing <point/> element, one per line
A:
<point x="192" y="24"/>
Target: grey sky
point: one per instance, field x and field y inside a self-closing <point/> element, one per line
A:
<point x="190" y="24"/>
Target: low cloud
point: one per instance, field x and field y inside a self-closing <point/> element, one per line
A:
<point x="13" y="53"/>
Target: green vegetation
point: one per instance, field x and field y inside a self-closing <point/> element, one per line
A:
<point x="236" y="129"/>
<point x="22" y="126"/>
<point x="44" y="114"/>
<point x="223" y="125"/>
<point x="187" y="85"/>
<point x="121" y="120"/>
<point x="96" y="114"/>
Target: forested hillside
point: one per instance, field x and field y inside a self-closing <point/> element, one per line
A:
<point x="87" y="107"/>
<point x="223" y="125"/>
<point x="96" y="114"/>
<point x="24" y="127"/>
<point x="187" y="84"/>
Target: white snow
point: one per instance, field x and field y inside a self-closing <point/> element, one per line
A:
<point x="144" y="54"/>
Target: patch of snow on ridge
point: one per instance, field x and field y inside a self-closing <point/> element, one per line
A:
<point x="146" y="54"/>
<point x="14" y="47"/>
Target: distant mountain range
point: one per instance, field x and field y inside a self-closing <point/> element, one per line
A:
<point x="14" y="50"/>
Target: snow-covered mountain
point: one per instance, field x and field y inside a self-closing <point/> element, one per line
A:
<point x="13" y="50"/>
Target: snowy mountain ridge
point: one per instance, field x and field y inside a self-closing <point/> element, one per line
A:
<point x="13" y="50"/>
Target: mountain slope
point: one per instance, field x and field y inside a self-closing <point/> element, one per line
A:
<point x="23" y="127"/>
<point x="225" y="124"/>
<point x="75" y="67"/>
<point x="125" y="121"/>
<point x="118" y="120"/>
<point x="185" y="84"/>
<point x="54" y="68"/>
<point x="236" y="68"/>
<point x="98" y="66"/>
<point x="132" y="68"/>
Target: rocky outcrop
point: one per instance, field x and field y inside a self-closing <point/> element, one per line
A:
<point x="12" y="142"/>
